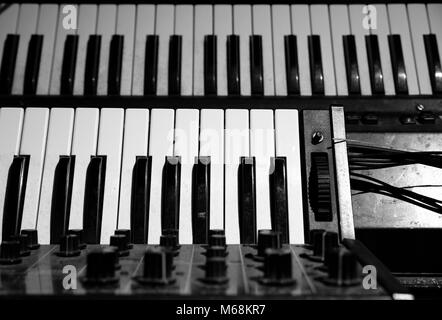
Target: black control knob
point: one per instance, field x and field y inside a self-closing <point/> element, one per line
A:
<point x="69" y="246"/>
<point x="79" y="233"/>
<point x="343" y="268"/>
<point x="158" y="265"/>
<point x="128" y="234"/>
<point x="23" y="239"/>
<point x="268" y="239"/>
<point x="33" y="238"/>
<point x="278" y="267"/>
<point x="10" y="252"/>
<point x="217" y="240"/>
<point x="216" y="271"/>
<point x="216" y="231"/>
<point x="169" y="241"/>
<point x="216" y="251"/>
<point x="101" y="266"/>
<point x="121" y="242"/>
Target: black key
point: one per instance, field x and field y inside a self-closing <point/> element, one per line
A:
<point x="291" y="64"/>
<point x="92" y="65"/>
<point x="398" y="64"/>
<point x="151" y="65"/>
<point x="256" y="65"/>
<point x="69" y="63"/>
<point x="170" y="193"/>
<point x="233" y="65"/>
<point x="61" y="198"/>
<point x="210" y="77"/>
<point x="201" y="200"/>
<point x="140" y="199"/>
<point x="316" y="73"/>
<point x="433" y="60"/>
<point x="175" y="45"/>
<point x="351" y="65"/>
<point x="8" y="63"/>
<point x="33" y="64"/>
<point x="93" y="199"/>
<point x="278" y="198"/>
<point x="115" y="64"/>
<point x="374" y="64"/>
<point x="15" y="196"/>
<point x="247" y="200"/>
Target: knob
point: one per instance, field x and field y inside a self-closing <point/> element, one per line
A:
<point x="69" y="246"/>
<point x="33" y="238"/>
<point x="216" y="251"/>
<point x="101" y="266"/>
<point x="169" y="241"/>
<point x="79" y="234"/>
<point x="323" y="243"/>
<point x="217" y="240"/>
<point x="23" y="239"/>
<point x="343" y="269"/>
<point x="121" y="242"/>
<point x="268" y="239"/>
<point x="127" y="233"/>
<point x="278" y="267"/>
<point x="10" y="252"/>
<point x="216" y="271"/>
<point x="216" y="231"/>
<point x="158" y="265"/>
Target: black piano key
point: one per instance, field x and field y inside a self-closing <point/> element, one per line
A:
<point x="115" y="64"/>
<point x="69" y="63"/>
<point x="398" y="64"/>
<point x="140" y="199"/>
<point x="247" y="200"/>
<point x="374" y="64"/>
<point x="33" y="64"/>
<point x="175" y="45"/>
<point x="201" y="200"/>
<point x="233" y="65"/>
<point x="93" y="199"/>
<point x="15" y="196"/>
<point x="256" y="65"/>
<point x="351" y="65"/>
<point x="9" y="58"/>
<point x="61" y="198"/>
<point x="291" y="64"/>
<point x="92" y="65"/>
<point x="210" y="64"/>
<point x="316" y="72"/>
<point x="278" y="198"/>
<point x="151" y="65"/>
<point x="170" y="193"/>
<point x="434" y="64"/>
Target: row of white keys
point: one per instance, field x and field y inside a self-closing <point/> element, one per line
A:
<point x="222" y="28"/>
<point x="281" y="27"/>
<point x="164" y="29"/>
<point x="184" y="28"/>
<point x="126" y="27"/>
<point x="203" y="26"/>
<point x="435" y="20"/>
<point x="242" y="26"/>
<point x="8" y="24"/>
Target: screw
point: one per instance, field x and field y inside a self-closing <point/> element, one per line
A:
<point x="317" y="137"/>
<point x="420" y="107"/>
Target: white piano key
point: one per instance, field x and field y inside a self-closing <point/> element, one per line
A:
<point x="340" y="27"/>
<point x="287" y="145"/>
<point x="58" y="144"/>
<point x="8" y="24"/>
<point x="11" y="121"/>
<point x="107" y="15"/>
<point x="301" y="29"/>
<point x="126" y="27"/>
<point x="186" y="146"/>
<point x="203" y="27"/>
<point x="242" y="26"/>
<point x="110" y="140"/>
<point x="84" y="145"/>
<point x="281" y="27"/>
<point x="87" y="20"/>
<point x="435" y="19"/>
<point x="237" y="144"/>
<point x="27" y="24"/>
<point x="262" y="25"/>
<point x="399" y="25"/>
<point x="164" y="29"/>
<point x="145" y="25"/>
<point x="160" y="145"/>
<point x="262" y="147"/>
<point x="222" y="28"/>
<point x="33" y="143"/>
<point x="212" y="144"/>
<point x="184" y="27"/>
<point x="136" y="131"/>
<point x="417" y="15"/>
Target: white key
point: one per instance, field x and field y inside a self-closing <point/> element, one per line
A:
<point x="242" y="26"/>
<point x="8" y="24"/>
<point x="126" y="27"/>
<point x="27" y="24"/>
<point x="145" y="25"/>
<point x="262" y="25"/>
<point x="203" y="27"/>
<point x="87" y="20"/>
<point x="84" y="145"/>
<point x="287" y="145"/>
<point x="212" y="144"/>
<point x="435" y="19"/>
<point x="136" y="131"/>
<point x="417" y="15"/>
<point x="11" y="121"/>
<point x="160" y="145"/>
<point x="358" y="30"/>
<point x="107" y="14"/>
<point x="301" y="28"/>
<point x="59" y="142"/>
<point x="262" y="147"/>
<point x="222" y="28"/>
<point x="110" y="140"/>
<point x="186" y="146"/>
<point x="340" y="27"/>
<point x="184" y="27"/>
<point x="399" y="25"/>
<point x="33" y="143"/>
<point x="236" y="145"/>
<point x="281" y="28"/>
<point x="164" y="29"/>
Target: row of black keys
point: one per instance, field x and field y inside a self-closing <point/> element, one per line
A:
<point x="140" y="198"/>
<point x="210" y="64"/>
